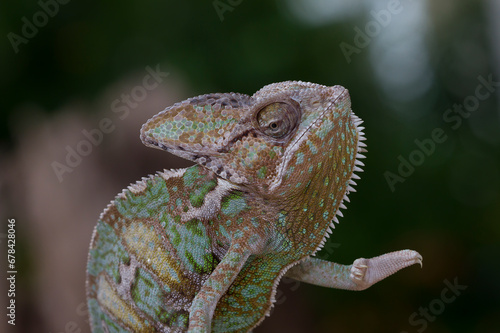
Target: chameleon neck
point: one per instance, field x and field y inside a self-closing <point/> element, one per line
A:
<point x="309" y="200"/>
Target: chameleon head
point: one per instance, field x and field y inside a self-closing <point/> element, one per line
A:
<point x="282" y="139"/>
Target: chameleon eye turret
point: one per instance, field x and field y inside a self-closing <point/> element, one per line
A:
<point x="203" y="249"/>
<point x="278" y="119"/>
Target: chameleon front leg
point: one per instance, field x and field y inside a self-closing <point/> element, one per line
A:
<point x="205" y="302"/>
<point x="362" y="274"/>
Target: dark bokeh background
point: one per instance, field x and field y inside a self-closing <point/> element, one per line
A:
<point x="406" y="64"/>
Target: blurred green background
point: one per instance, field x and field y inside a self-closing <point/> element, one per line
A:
<point x="413" y="69"/>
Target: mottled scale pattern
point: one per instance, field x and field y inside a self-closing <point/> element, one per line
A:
<point x="271" y="173"/>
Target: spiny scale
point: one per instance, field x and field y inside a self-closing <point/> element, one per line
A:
<point x="271" y="172"/>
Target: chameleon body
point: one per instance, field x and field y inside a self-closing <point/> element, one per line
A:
<point x="203" y="248"/>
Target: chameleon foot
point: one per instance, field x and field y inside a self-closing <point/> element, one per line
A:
<point x="367" y="272"/>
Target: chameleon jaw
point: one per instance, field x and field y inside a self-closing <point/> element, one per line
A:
<point x="296" y="143"/>
<point x="361" y="148"/>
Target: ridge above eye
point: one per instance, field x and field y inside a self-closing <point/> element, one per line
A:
<point x="277" y="119"/>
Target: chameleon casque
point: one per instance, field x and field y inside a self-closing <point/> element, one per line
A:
<point x="203" y="248"/>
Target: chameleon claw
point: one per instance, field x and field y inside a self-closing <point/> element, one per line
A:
<point x="419" y="260"/>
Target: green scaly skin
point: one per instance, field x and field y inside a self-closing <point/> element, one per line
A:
<point x="203" y="249"/>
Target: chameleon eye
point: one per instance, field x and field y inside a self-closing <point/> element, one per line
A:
<point x="277" y="119"/>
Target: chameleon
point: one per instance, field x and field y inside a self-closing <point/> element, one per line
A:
<point x="203" y="249"/>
